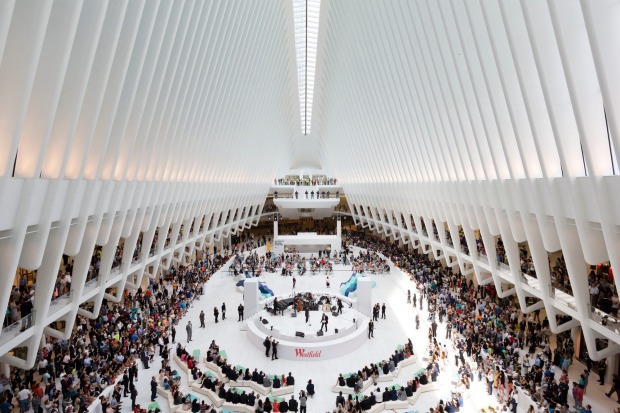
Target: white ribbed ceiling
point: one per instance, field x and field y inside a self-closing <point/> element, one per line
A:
<point x="461" y="90"/>
<point x="201" y="91"/>
<point x="406" y="91"/>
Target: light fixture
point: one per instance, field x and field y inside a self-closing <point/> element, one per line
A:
<point x="306" y="14"/>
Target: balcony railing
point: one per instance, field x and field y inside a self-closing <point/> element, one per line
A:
<point x="60" y="302"/>
<point x="13" y="330"/>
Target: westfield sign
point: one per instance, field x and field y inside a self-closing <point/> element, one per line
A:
<point x="302" y="353"/>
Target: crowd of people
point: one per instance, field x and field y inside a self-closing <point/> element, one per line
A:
<point x="71" y="374"/>
<point x="314" y="181"/>
<point x="493" y="341"/>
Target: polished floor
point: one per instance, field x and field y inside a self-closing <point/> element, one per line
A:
<point x="395" y="329"/>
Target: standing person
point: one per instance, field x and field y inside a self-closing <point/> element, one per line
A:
<point x="133" y="372"/>
<point x="153" y="389"/>
<point x="434" y="328"/>
<point x="274" y="350"/>
<point x="125" y="382"/>
<point x="202" y="319"/>
<point x="294" y="282"/>
<point x="415" y="300"/>
<point x="310" y="388"/>
<point x="223" y="311"/>
<point x="417" y="321"/>
<point x="134" y="394"/>
<point x="216" y="314"/>
<point x="327" y="281"/>
<point x="240" y="311"/>
<point x="307" y="313"/>
<point x="188" y="328"/>
<point x="145" y="358"/>
<point x="324" y="321"/>
<point x="383" y="311"/>
<point x="173" y="332"/>
<point x="340" y="306"/>
<point x="371" y="329"/>
<point x="267" y="344"/>
<point x="602" y="369"/>
<point x="23" y="396"/>
<point x="408" y="296"/>
<point x="302" y="402"/>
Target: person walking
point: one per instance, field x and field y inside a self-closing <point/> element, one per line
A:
<point x="615" y="388"/>
<point x="202" y="319"/>
<point x="294" y="282"/>
<point x="188" y="328"/>
<point x="417" y="321"/>
<point x="274" y="350"/>
<point x="434" y="328"/>
<point x="223" y="311"/>
<point x="327" y="282"/>
<point x="408" y="296"/>
<point x="339" y="304"/>
<point x="371" y="329"/>
<point x="307" y="313"/>
<point x="240" y="311"/>
<point x="216" y="314"/>
<point x="173" y="332"/>
<point x="415" y="300"/>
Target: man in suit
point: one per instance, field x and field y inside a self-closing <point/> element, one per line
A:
<point x="125" y="384"/>
<point x="274" y="350"/>
<point x="284" y="406"/>
<point x="290" y="380"/>
<point x="371" y="329"/>
<point x="240" y="310"/>
<point x="324" y="322"/>
<point x="276" y="382"/>
<point x="267" y="344"/>
<point x="153" y="389"/>
<point x="307" y="313"/>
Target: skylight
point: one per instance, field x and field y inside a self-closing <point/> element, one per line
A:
<point x="306" y="34"/>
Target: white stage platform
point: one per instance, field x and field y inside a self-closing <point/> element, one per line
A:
<point x="312" y="346"/>
<point x="285" y="327"/>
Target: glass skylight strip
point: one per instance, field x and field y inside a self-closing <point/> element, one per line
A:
<point x="306" y="36"/>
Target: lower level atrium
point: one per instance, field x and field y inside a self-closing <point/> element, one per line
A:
<point x="191" y="340"/>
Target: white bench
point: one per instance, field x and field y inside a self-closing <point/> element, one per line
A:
<point x="379" y="407"/>
<point x="256" y="387"/>
<point x="215" y="399"/>
<point x="168" y="396"/>
<point x="281" y="391"/>
<point x="397" y="404"/>
<point x="242" y="408"/>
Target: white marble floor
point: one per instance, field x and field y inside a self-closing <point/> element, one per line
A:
<point x="395" y="329"/>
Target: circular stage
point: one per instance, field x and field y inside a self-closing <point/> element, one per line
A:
<point x="301" y="340"/>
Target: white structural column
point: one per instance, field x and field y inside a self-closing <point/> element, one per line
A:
<point x="364" y="296"/>
<point x="250" y="297"/>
